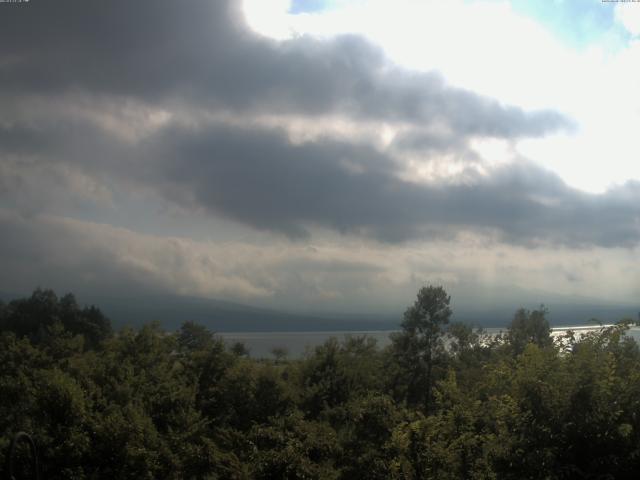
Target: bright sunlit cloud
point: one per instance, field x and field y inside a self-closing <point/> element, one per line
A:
<point x="629" y="15"/>
<point x="494" y="49"/>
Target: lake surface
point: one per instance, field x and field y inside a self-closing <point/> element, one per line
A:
<point x="260" y="344"/>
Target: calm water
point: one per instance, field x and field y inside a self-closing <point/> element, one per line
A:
<point x="261" y="344"/>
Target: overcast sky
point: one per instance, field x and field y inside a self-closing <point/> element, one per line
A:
<point x="323" y="156"/>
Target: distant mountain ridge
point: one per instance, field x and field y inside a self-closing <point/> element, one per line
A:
<point x="171" y="311"/>
<point x="223" y="316"/>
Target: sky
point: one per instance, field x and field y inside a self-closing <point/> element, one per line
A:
<point x="322" y="156"/>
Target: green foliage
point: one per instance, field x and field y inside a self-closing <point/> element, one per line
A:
<point x="239" y="349"/>
<point x="529" y="327"/>
<point x="335" y="373"/>
<point x="280" y="354"/>
<point x="153" y="404"/>
<point x="369" y="424"/>
<point x="195" y="338"/>
<point x="419" y="347"/>
<point x="291" y="448"/>
<point x="44" y="315"/>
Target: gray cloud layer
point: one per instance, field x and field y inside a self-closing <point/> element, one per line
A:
<point x="199" y="54"/>
<point x="200" y="51"/>
<point x="258" y="177"/>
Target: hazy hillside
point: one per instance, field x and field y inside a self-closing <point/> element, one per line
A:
<point x="221" y="316"/>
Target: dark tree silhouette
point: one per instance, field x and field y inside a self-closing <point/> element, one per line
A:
<point x="420" y="344"/>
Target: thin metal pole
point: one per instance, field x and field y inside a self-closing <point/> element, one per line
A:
<point x="34" y="453"/>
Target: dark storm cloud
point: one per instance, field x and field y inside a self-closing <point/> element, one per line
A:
<point x="200" y="52"/>
<point x="259" y="178"/>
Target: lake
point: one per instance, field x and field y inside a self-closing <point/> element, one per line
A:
<point x="260" y="344"/>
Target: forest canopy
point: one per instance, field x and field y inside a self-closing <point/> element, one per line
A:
<point x="443" y="401"/>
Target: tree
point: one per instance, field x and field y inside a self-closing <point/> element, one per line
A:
<point x="338" y="372"/>
<point x="292" y="447"/>
<point x="529" y="327"/>
<point x="194" y="337"/>
<point x="239" y="349"/>
<point x="280" y="354"/>
<point x="420" y="344"/>
<point x="366" y="436"/>
<point x="39" y="317"/>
